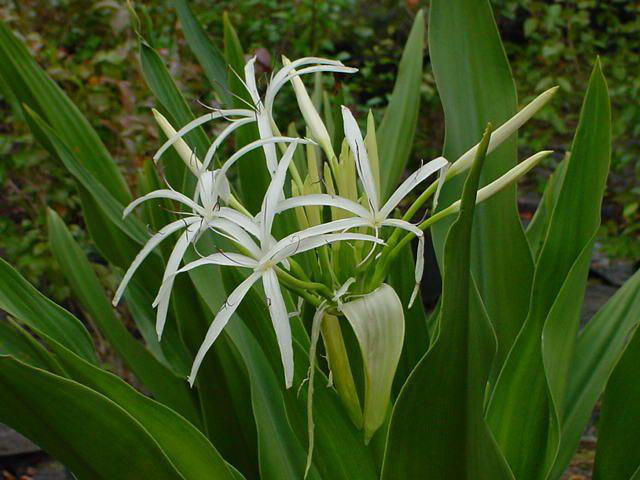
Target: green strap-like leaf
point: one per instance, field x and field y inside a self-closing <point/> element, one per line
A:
<point x="166" y="387"/>
<point x="597" y="350"/>
<point x="21" y="300"/>
<point x="537" y="228"/>
<point x="32" y="86"/>
<point x="94" y="437"/>
<point x="618" y="455"/>
<point x="188" y="450"/>
<point x="208" y="55"/>
<point x="476" y="87"/>
<point x="173" y="103"/>
<point x="526" y="424"/>
<point x="437" y="426"/>
<point x="395" y="134"/>
<point x="15" y="341"/>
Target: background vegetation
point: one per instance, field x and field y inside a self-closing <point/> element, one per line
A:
<point x="91" y="50"/>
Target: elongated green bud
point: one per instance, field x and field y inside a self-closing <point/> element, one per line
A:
<point x="503" y="132"/>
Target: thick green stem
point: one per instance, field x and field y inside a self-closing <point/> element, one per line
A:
<point x="340" y="368"/>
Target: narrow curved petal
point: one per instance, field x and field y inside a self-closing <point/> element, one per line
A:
<point x="262" y="116"/>
<point x="257" y="144"/>
<point x="419" y="269"/>
<point x="164" y="193"/>
<point x="250" y="80"/>
<point x="280" y="79"/>
<point x="280" y="321"/>
<point x="173" y="263"/>
<point x="221" y="320"/>
<point x="226" y="259"/>
<point x="276" y="85"/>
<point x="153" y="242"/>
<point x="311" y="117"/>
<point x="356" y="144"/>
<point x="226" y="131"/>
<point x="505" y="130"/>
<point x="273" y="194"/>
<point x="213" y="115"/>
<point x="322" y="229"/>
<point x="344" y="288"/>
<point x="234" y="233"/>
<point x="412" y="182"/>
<point x="324" y="199"/>
<point x="442" y="177"/>
<point x="318" y="241"/>
<point x="239" y="219"/>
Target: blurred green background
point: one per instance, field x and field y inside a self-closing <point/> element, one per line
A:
<point x="89" y="48"/>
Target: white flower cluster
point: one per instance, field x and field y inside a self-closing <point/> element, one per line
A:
<point x="214" y="208"/>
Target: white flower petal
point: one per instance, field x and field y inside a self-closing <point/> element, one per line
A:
<point x="163" y="193"/>
<point x="173" y="263"/>
<point x="153" y="242"/>
<point x="412" y="182"/>
<point x="229" y="259"/>
<point x="311" y="117"/>
<point x="442" y="177"/>
<point x="318" y="241"/>
<point x="280" y="321"/>
<point x="262" y="116"/>
<point x="250" y="80"/>
<point x="257" y="144"/>
<point x="344" y="288"/>
<point x="356" y="143"/>
<point x="221" y="320"/>
<point x="280" y="78"/>
<point x="235" y="233"/>
<point x="322" y="229"/>
<point x="228" y="130"/>
<point x="324" y="199"/>
<point x="273" y="194"/>
<point x="419" y="269"/>
<point x="239" y="219"/>
<point x="505" y="130"/>
<point x="177" y="136"/>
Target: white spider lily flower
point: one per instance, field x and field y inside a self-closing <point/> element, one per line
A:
<point x="263" y="264"/>
<point x="375" y="216"/>
<point x="261" y="112"/>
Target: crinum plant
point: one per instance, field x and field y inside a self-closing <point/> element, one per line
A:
<point x="277" y="298"/>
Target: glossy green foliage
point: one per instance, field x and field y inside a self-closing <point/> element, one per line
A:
<point x="476" y="87"/>
<point x="477" y="395"/>
<point x="538" y="365"/>
<point x="437" y="427"/>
